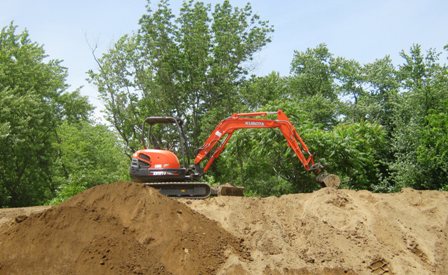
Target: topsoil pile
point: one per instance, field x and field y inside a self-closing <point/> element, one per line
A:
<point x="115" y="229"/>
<point x="125" y="229"/>
<point x="336" y="232"/>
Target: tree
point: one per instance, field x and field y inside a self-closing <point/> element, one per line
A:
<point x="258" y="91"/>
<point x="421" y="105"/>
<point x="432" y="152"/>
<point x="90" y="155"/>
<point x="382" y="86"/>
<point x="187" y="66"/>
<point x="312" y="83"/>
<point x="33" y="102"/>
<point x="26" y="151"/>
<point x="313" y="73"/>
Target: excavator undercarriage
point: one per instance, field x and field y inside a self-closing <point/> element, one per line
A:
<point x="198" y="190"/>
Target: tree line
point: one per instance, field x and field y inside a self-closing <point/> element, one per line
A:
<point x="379" y="126"/>
<point x="49" y="146"/>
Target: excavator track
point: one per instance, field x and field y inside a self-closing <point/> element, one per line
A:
<point x="190" y="189"/>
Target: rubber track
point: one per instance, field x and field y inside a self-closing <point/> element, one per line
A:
<point x="184" y="183"/>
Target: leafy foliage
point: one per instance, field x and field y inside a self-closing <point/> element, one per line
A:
<point x="29" y="91"/>
<point x="187" y="66"/>
<point x="35" y="104"/>
<point x="90" y="155"/>
<point x="378" y="126"/>
<point x="418" y="140"/>
<point x="369" y="123"/>
<point x="24" y="174"/>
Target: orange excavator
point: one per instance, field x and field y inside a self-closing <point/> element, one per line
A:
<point x="161" y="168"/>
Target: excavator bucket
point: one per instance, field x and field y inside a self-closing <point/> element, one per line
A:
<point x="230" y="190"/>
<point x="328" y="180"/>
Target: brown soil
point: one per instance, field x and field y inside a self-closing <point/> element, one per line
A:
<point x="336" y="232"/>
<point x="122" y="229"/>
<point x="9" y="214"/>
<point x="115" y="229"/>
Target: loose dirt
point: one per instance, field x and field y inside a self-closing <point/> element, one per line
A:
<point x="336" y="232"/>
<point x="10" y="214"/>
<point x="126" y="229"/>
<point x="116" y="229"/>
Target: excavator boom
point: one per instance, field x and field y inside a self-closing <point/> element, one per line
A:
<point x="225" y="129"/>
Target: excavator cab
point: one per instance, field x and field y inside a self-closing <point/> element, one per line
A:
<point x="158" y="164"/>
<point x="164" y="133"/>
<point x="158" y="160"/>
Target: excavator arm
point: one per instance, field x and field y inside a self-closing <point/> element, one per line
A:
<point x="225" y="129"/>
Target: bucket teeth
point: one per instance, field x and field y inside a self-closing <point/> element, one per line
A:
<point x="230" y="190"/>
<point x="328" y="180"/>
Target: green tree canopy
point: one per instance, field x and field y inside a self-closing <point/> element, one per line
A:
<point x="189" y="66"/>
<point x="34" y="103"/>
<point x="89" y="155"/>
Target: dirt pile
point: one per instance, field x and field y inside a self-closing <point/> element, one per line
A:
<point x="336" y="232"/>
<point x="116" y="229"/>
<point x="125" y="229"/>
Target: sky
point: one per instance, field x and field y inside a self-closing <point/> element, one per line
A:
<point x="363" y="30"/>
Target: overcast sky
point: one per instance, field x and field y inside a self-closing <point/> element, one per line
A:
<point x="361" y="30"/>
